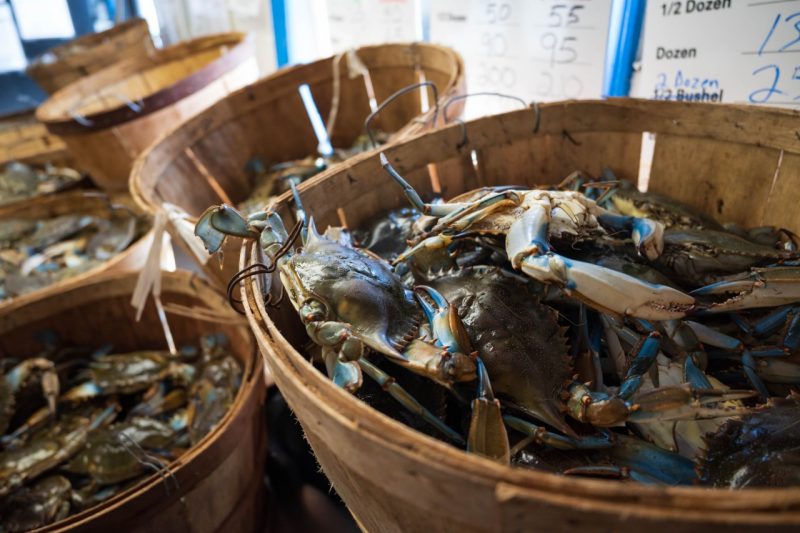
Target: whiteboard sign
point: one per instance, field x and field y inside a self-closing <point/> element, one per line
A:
<point x="539" y="50"/>
<point x="355" y="23"/>
<point x="736" y="51"/>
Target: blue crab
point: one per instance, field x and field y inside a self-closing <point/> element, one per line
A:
<point x="352" y="303"/>
<point x="531" y="221"/>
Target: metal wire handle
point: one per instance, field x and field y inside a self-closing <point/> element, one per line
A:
<point x="401" y="92"/>
<point x="468" y="95"/>
<point x="534" y="105"/>
<point x="136" y="107"/>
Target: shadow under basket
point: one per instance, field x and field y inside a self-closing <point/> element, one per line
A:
<point x="204" y="161"/>
<point x="738" y="163"/>
<point x="218" y="483"/>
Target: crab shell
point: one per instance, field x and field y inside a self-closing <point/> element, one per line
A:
<point x="518" y="339"/>
<point x="333" y="282"/>
<point x="757" y="450"/>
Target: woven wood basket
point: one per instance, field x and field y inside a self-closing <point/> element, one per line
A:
<point x="90" y="53"/>
<point x="738" y="163"/>
<point x="71" y="202"/>
<point x="204" y="161"/>
<point x="107" y="119"/>
<point x="218" y="484"/>
<point x="22" y="138"/>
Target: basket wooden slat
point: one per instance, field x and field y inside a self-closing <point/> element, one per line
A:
<point x="215" y="486"/>
<point x="107" y="119"/>
<point x="91" y="53"/>
<point x="23" y="138"/>
<point x="395" y="479"/>
<point x="267" y="120"/>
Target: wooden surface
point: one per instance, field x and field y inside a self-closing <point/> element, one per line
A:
<point x="220" y="480"/>
<point x="168" y="87"/>
<point x="267" y="120"/>
<point x="131" y="259"/>
<point x="91" y="53"/>
<point x="395" y="479"/>
<point x="23" y="138"/>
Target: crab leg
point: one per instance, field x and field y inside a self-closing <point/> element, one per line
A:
<point x="547" y="438"/>
<point x="487" y="432"/>
<point x="400" y="394"/>
<point x="647" y="235"/>
<point x="717" y="339"/>
<point x="436" y="210"/>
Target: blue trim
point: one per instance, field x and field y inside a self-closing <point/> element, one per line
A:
<point x="281" y="36"/>
<point x="625" y="29"/>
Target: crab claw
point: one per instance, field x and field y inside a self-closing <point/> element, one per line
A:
<point x="447" y="328"/>
<point x="217" y="222"/>
<point x="647" y="235"/>
<point x="608" y="290"/>
<point x="761" y="287"/>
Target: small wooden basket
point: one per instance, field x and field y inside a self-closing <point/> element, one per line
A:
<point x="218" y="484"/>
<point x="90" y="53"/>
<point x="203" y="162"/>
<point x="738" y="163"/>
<point x="107" y="119"/>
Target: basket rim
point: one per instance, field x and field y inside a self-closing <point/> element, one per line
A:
<point x="716" y="504"/>
<point x="239" y="47"/>
<point x="90" y="39"/>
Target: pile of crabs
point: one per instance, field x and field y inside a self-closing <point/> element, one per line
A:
<point x="81" y="425"/>
<point x="38" y="252"/>
<point x="586" y="329"/>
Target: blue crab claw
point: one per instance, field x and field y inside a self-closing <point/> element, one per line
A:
<point x="761" y="287"/>
<point x="344" y="374"/>
<point x="647" y="235"/>
<point x="448" y="331"/>
<point x="217" y="222"/>
<point x="607" y="290"/>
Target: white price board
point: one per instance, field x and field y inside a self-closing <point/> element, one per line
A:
<point x="358" y="22"/>
<point x="539" y="50"/>
<point x="742" y="51"/>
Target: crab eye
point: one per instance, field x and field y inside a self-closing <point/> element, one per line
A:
<point x="312" y="311"/>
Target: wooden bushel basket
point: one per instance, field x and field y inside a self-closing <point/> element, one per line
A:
<point x="218" y="484"/>
<point x="107" y="119"/>
<point x="90" y="53"/>
<point x="24" y="139"/>
<point x="738" y="163"/>
<point x="203" y="162"/>
<point x="71" y="202"/>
